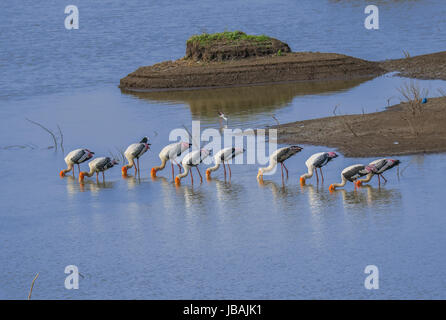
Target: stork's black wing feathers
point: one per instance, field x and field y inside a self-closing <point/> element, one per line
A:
<point x="322" y="160"/>
<point x="78" y="156"/>
<point x="102" y="164"/>
<point x="138" y="149"/>
<point x="287" y="153"/>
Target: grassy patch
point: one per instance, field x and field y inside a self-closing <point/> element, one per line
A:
<point x="227" y="36"/>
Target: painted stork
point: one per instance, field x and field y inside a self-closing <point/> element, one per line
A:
<point x="98" y="165"/>
<point x="192" y="159"/>
<point x="222" y="156"/>
<point x="317" y="160"/>
<point x="170" y="152"/>
<point x="381" y="165"/>
<point x="351" y="174"/>
<point x="76" y="157"/>
<point x="135" y="151"/>
<point x="279" y="156"/>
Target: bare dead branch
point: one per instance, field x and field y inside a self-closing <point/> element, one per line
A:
<point x="32" y="286"/>
<point x="61" y="139"/>
<point x="46" y="129"/>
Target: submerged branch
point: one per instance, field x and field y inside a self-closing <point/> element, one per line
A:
<point x="32" y="286"/>
<point x="46" y="129"/>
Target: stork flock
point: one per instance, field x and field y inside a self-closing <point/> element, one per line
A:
<point x="194" y="158"/>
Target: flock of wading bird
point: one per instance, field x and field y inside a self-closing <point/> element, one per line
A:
<point x="193" y="159"/>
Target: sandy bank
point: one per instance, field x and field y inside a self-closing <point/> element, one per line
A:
<point x="395" y="131"/>
<point x="427" y="66"/>
<point x="299" y="66"/>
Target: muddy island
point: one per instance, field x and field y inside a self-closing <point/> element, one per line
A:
<point x="236" y="59"/>
<point x="405" y="128"/>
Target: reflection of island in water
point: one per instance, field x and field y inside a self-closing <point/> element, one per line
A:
<point x="240" y="102"/>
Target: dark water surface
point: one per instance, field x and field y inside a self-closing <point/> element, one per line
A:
<point x="149" y="239"/>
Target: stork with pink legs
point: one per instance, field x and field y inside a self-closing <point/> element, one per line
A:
<point x="135" y="151"/>
<point x="222" y="156"/>
<point x="192" y="159"/>
<point x="170" y="152"/>
<point x="97" y="165"/>
<point x="352" y="173"/>
<point x="279" y="156"/>
<point x="77" y="156"/>
<point x="317" y="160"/>
<point x="381" y="166"/>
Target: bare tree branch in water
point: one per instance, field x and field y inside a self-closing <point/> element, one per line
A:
<point x="46" y="129"/>
<point x="61" y="138"/>
<point x="32" y="286"/>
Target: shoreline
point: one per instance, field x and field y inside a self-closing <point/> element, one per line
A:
<point x="394" y="131"/>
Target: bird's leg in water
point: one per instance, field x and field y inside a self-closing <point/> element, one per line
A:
<point x="379" y="180"/>
<point x="173" y="172"/>
<point x="320" y="169"/>
<point x="385" y="180"/>
<point x="103" y="177"/>
<point x="179" y="167"/>
<point x="317" y="176"/>
<point x="224" y="168"/>
<point x="136" y="169"/>
<point x="201" y="178"/>
<point x="191" y="176"/>
<point x="137" y="161"/>
<point x="73" y="172"/>
<point x="281" y="168"/>
<point x="285" y="169"/>
<point x="230" y="173"/>
<point x="97" y="177"/>
<point x="79" y="168"/>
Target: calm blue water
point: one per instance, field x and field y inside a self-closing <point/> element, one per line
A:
<point x="150" y="240"/>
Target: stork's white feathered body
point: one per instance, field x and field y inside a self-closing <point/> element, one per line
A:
<point x="77" y="156"/>
<point x="317" y="160"/>
<point x="352" y="173"/>
<point x="171" y="152"/>
<point x="222" y="156"/>
<point x="192" y="159"/>
<point x="97" y="165"/>
<point x="135" y="151"/>
<point x="380" y="165"/>
<point x="279" y="156"/>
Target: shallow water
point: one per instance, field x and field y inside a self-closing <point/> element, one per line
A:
<point x="149" y="239"/>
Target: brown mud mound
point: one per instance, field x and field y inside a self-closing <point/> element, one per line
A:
<point x="427" y="66"/>
<point x="232" y="45"/>
<point x="300" y="66"/>
<point x="396" y="131"/>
